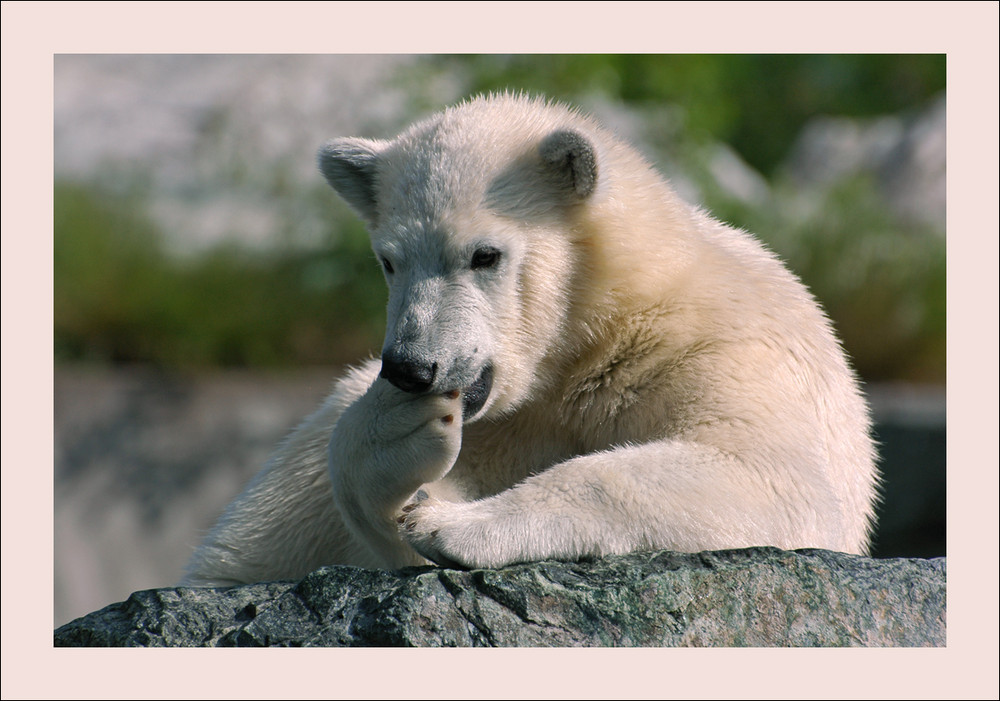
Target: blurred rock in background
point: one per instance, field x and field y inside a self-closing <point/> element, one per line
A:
<point x="211" y="138"/>
<point x="145" y="462"/>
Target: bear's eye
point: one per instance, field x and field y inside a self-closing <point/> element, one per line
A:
<point x="386" y="265"/>
<point x="485" y="257"/>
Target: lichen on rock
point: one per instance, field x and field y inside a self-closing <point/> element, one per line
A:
<point x="758" y="597"/>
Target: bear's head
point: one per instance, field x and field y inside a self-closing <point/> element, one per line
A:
<point x="471" y="215"/>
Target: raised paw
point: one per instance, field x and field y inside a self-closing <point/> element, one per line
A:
<point x="390" y="442"/>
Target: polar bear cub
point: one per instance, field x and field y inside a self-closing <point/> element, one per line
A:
<point x="576" y="363"/>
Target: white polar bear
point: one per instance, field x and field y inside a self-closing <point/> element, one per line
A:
<point x="576" y="363"/>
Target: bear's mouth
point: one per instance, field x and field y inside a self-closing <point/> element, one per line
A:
<point x="475" y="395"/>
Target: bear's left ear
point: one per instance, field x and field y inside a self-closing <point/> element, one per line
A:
<point x="350" y="166"/>
<point x="571" y="161"/>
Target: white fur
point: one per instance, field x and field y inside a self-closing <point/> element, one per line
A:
<point x="660" y="379"/>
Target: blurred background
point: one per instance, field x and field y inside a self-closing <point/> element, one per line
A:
<point x="209" y="286"/>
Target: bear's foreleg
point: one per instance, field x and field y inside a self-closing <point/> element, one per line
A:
<point x="664" y="495"/>
<point x="382" y="449"/>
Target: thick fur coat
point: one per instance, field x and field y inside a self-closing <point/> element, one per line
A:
<point x="576" y="363"/>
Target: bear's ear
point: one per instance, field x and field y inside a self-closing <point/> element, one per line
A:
<point x="349" y="166"/>
<point x="570" y="160"/>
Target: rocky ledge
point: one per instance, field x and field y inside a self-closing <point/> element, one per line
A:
<point x="760" y="597"/>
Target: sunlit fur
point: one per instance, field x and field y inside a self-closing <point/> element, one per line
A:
<point x="661" y="380"/>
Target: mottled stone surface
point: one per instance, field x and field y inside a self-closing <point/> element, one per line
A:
<point x="758" y="597"/>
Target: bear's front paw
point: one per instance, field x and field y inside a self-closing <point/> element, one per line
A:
<point x="448" y="533"/>
<point x="389" y="442"/>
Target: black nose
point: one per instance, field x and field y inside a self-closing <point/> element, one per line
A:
<point x="408" y="375"/>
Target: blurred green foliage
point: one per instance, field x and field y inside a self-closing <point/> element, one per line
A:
<point x="119" y="297"/>
<point x="757" y="103"/>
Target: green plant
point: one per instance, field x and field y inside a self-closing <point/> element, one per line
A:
<point x="120" y="297"/>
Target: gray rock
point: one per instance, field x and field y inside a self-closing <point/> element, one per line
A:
<point x="759" y="597"/>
